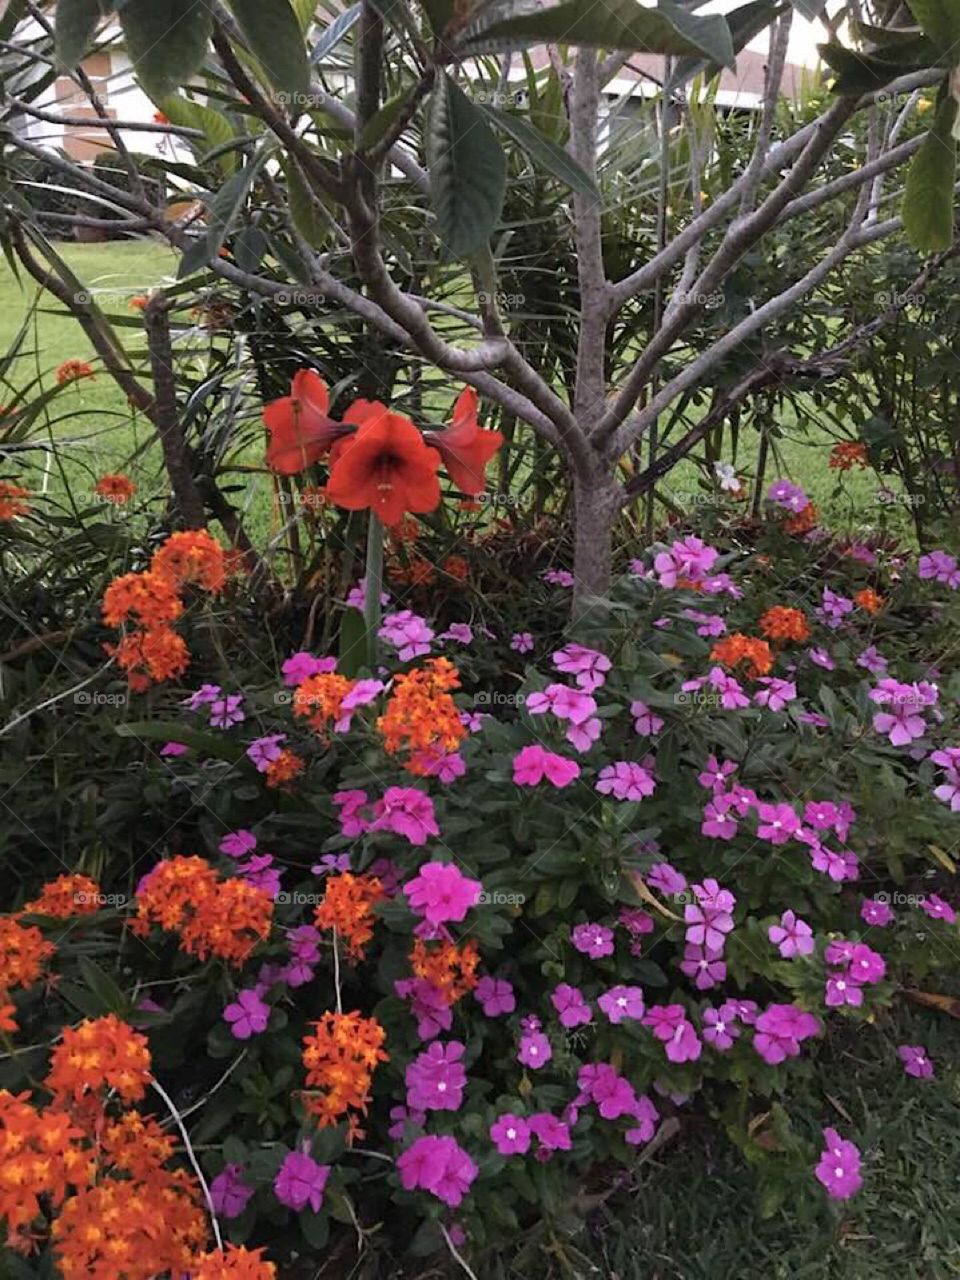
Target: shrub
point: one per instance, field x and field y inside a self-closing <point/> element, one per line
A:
<point x="460" y="936"/>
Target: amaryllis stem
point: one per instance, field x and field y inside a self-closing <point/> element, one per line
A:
<point x="372" y="610"/>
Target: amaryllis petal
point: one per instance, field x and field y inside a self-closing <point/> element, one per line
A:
<point x="300" y="430"/>
<point x="465" y="446"/>
<point x="386" y="466"/>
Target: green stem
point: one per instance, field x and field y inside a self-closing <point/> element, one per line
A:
<point x="372" y="610"/>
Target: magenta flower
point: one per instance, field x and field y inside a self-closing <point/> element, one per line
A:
<point x="704" y="964"/>
<point x="521" y="642"/>
<point x="620" y="1003"/>
<point x="776" y="822"/>
<point x="935" y="907"/>
<point x="788" y="496"/>
<point x="646" y="1115"/>
<point x="833" y="609"/>
<point x="940" y="566"/>
<point x="401" y="1117"/>
<point x="776" y="695"/>
<point x="248" y="1015"/>
<point x="356" y="596"/>
<point x="435" y="762"/>
<point x="872" y="660"/>
<point x="565" y="703"/>
<point x="593" y="940"/>
<point x="511" y="1135"/>
<point x="669" y="1024"/>
<point x="589" y="666"/>
<point x="915" y="1061"/>
<point x="238" y="844"/>
<point x="441" y="892"/>
<point x="460" y="632"/>
<point x="203" y="697"/>
<point x="687" y="560"/>
<point x="645" y="723"/>
<point x="558" y="577"/>
<point x="300" y="1181"/>
<point x="866" y="965"/>
<point x="301" y="666"/>
<point x="821" y="658"/>
<point x="361" y="695"/>
<point x="719" y="1029"/>
<point x="708" y="624"/>
<point x="780" y="1030"/>
<point x="602" y="1084"/>
<point x="876" y="912"/>
<point x="551" y="1133"/>
<point x="667" y="879"/>
<point x="710" y="918"/>
<point x="841" y="990"/>
<point x="717" y="819"/>
<point x="174" y="749"/>
<point x="226" y="711"/>
<point x="535" y="1050"/>
<point x="570" y="1005"/>
<point x="229" y="1193"/>
<point x="428" y="1005"/>
<point x="626" y="780"/>
<point x="793" y="937"/>
<point x="439" y="1166"/>
<point x="406" y="812"/>
<point x="532" y="764"/>
<point x="352" y="822"/>
<point x="839" y="1167"/>
<point x="407" y="633"/>
<point x="729" y="687"/>
<point x="263" y="751"/>
<point x="495" y="996"/>
<point x="436" y="1079"/>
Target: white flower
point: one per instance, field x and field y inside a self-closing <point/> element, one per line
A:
<point x="727" y="475"/>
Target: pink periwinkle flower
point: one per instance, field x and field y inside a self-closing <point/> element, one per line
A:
<point x="839" y="1167"/>
<point x="940" y="566"/>
<point x="263" y="751"/>
<point x="776" y="695"/>
<point x="532" y="764"/>
<point x="428" y="1005"/>
<point x="915" y="1061"/>
<point x="174" y="749"/>
<point x="551" y="1133"/>
<point x="300" y="1181"/>
<point x="645" y="722"/>
<point x="522" y="642"/>
<point x="349" y="803"/>
<point x="406" y="812"/>
<point x="226" y="711"/>
<point x="558" y="577"/>
<point x="301" y="666"/>
<point x="732" y="696"/>
<point x="238" y="843"/>
<point x="669" y="1024"/>
<point x="776" y="822"/>
<point x="687" y="560"/>
<point x="626" y="780"/>
<point x="203" y="697"/>
<point x="593" y="940"/>
<point x="511" y="1135"/>
<point x="229" y="1193"/>
<point x="780" y="1030"/>
<point x="704" y="965"/>
<point x="708" y="624"/>
<point x="588" y="666"/>
<point x="565" y="703"/>
<point x="435" y="1079"/>
<point x="792" y="936"/>
<point x="876" y="912"/>
<point x="535" y="1050"/>
<point x="495" y="996"/>
<point x="821" y="658"/>
<point x="788" y="496"/>
<point x="408" y="633"/>
<point x="719" y="1029"/>
<point x="248" y="1015"/>
<point x="438" y="1165"/>
<point x="666" y="879"/>
<point x="935" y="907"/>
<point x="718" y="820"/>
<point x="441" y="892"/>
<point x="570" y="1005"/>
<point x="622" y="1003"/>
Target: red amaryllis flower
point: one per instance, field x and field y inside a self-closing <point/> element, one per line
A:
<point x="387" y="466"/>
<point x="465" y="446"/>
<point x="300" y="430"/>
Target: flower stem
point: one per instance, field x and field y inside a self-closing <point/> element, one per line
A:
<point x="372" y="611"/>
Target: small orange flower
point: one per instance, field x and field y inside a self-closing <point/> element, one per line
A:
<point x="237" y="1263"/>
<point x="347" y="906"/>
<point x="191" y="556"/>
<point x="149" y="599"/>
<point x="70" y="895"/>
<point x="420" y="714"/>
<point x="100" y="1052"/>
<point x="844" y="455"/>
<point x="405" y="530"/>
<point x="138" y="301"/>
<point x="23" y="954"/>
<point x="38" y="1158"/>
<point x="282" y="772"/>
<point x="73" y="371"/>
<point x="456" y="567"/>
<point x="115" y="488"/>
<point x="151" y="656"/>
<point x="319" y="699"/>
<point x="340" y="1057"/>
<point x="803" y="521"/>
<point x="869" y="600"/>
<point x="8" y="1021"/>
<point x="12" y="502"/>
<point x="160" y="118"/>
<point x="783" y="623"/>
<point x="733" y="650"/>
<point x="417" y="571"/>
<point x="448" y="968"/>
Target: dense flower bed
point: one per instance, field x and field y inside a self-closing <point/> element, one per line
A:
<point x="468" y="928"/>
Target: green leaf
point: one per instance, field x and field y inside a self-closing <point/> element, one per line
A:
<point x="940" y="20"/>
<point x="224" y="210"/>
<point x="272" y="30"/>
<point x="467" y="167"/>
<point x="745" y="24"/>
<point x="928" y="194"/>
<point x="304" y="212"/>
<point x="859" y="73"/>
<point x="439" y="13"/>
<point x="166" y="40"/>
<point x="208" y="744"/>
<point x="214" y="125"/>
<point x="103" y="986"/>
<point x="612" y="24"/>
<point x="544" y="151"/>
<point x="353" y="643"/>
<point x="76" y="23"/>
<point x="379" y="123"/>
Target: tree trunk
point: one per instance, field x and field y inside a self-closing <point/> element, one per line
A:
<point x="596" y="502"/>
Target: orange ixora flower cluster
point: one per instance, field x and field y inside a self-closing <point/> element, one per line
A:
<point x="282" y="772"/>
<point x="733" y="650"/>
<point x="319" y="699"/>
<point x="450" y="969"/>
<point x="341" y="1057"/>
<point x="152" y="600"/>
<point x="115" y="488"/>
<point x="67" y="896"/>
<point x="23" y="953"/>
<point x="39" y="1157"/>
<point x="849" y="452"/>
<point x="73" y="371"/>
<point x="869" y="600"/>
<point x="783" y="623"/>
<point x="805" y="520"/>
<point x="222" y="918"/>
<point x="420" y="715"/>
<point x="347" y="906"/>
<point x="12" y="502"/>
<point x="101" y="1052"/>
<point x="237" y="1263"/>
